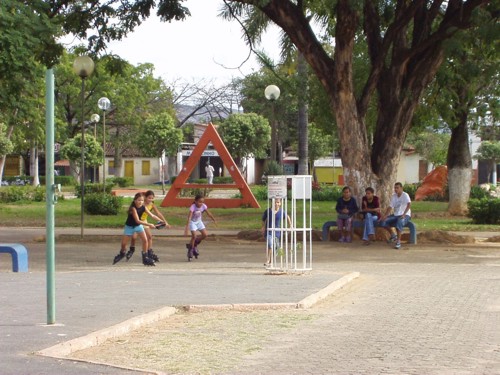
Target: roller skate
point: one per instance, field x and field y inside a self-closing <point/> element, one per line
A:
<point x="196" y="253"/>
<point x="130" y="252"/>
<point x="190" y="252"/>
<point x="153" y="256"/>
<point x="147" y="261"/>
<point x="119" y="257"/>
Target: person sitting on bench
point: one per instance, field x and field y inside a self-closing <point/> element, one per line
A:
<point x="401" y="208"/>
<point x="370" y="208"/>
<point x="346" y="208"/>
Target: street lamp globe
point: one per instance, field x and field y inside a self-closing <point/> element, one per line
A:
<point x="103" y="103"/>
<point x="272" y="92"/>
<point x="83" y="66"/>
<point x="95" y="118"/>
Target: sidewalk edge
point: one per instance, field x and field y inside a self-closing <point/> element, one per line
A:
<point x="64" y="349"/>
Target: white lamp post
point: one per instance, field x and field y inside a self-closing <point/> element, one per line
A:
<point x="272" y="93"/>
<point x="95" y="119"/>
<point x="104" y="104"/>
<point x="83" y="66"/>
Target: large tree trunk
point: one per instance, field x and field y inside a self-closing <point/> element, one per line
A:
<point x="459" y="167"/>
<point x="354" y="149"/>
<point x="303" y="120"/>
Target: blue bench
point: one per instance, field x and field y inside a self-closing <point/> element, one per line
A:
<point x="359" y="224"/>
<point x="19" y="256"/>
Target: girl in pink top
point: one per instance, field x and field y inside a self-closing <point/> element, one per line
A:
<point x="195" y="223"/>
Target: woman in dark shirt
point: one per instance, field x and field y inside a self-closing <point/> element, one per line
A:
<point x="346" y="208"/>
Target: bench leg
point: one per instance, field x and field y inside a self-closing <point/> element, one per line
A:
<point x="413" y="236"/>
<point x="19" y="256"/>
<point x="19" y="262"/>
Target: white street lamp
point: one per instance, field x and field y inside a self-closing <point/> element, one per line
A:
<point x="95" y="119"/>
<point x="272" y="93"/>
<point x="83" y="66"/>
<point x="104" y="104"/>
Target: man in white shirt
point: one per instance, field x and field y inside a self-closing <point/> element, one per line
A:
<point x="210" y="173"/>
<point x="401" y="213"/>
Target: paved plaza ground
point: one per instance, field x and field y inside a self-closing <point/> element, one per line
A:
<point x="425" y="309"/>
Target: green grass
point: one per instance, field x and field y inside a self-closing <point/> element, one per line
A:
<point x="427" y="216"/>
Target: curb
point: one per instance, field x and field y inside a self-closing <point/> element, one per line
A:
<point x="314" y="298"/>
<point x="64" y="349"/>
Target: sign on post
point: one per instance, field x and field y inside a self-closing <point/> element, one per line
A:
<point x="276" y="187"/>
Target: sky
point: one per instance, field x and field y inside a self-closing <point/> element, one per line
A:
<point x="203" y="46"/>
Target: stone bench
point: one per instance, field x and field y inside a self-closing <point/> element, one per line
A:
<point x="19" y="256"/>
<point x="360" y="224"/>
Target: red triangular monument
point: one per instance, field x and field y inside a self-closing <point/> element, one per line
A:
<point x="210" y="135"/>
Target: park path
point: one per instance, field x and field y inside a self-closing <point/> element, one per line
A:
<point x="396" y="319"/>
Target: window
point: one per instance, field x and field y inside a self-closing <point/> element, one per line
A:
<point x="146" y="167"/>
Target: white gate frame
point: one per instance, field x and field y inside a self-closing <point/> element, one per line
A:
<point x="285" y="257"/>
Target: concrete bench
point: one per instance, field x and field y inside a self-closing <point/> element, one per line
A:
<point x="359" y="224"/>
<point x="19" y="256"/>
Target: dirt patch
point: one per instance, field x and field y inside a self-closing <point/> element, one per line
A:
<point x="439" y="236"/>
<point x="218" y="340"/>
<point x="493" y="239"/>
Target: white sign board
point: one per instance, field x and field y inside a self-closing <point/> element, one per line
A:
<point x="276" y="187"/>
<point x="302" y="187"/>
<point x="205" y="153"/>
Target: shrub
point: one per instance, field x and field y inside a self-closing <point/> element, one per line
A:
<point x="91" y="188"/>
<point x="22" y="193"/>
<point x="200" y="181"/>
<point x="122" y="181"/>
<point x="411" y="189"/>
<point x="223" y="180"/>
<point x="13" y="194"/>
<point x="484" y="211"/>
<point x="327" y="193"/>
<point x="259" y="192"/>
<point x="102" y="204"/>
<point x="477" y="192"/>
<point x="63" y="180"/>
<point x="39" y="194"/>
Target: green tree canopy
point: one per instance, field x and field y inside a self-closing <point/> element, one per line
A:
<point x="246" y="134"/>
<point x="93" y="152"/>
<point x="489" y="151"/>
<point x="159" y="134"/>
<point x="431" y="145"/>
<point x="6" y="146"/>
